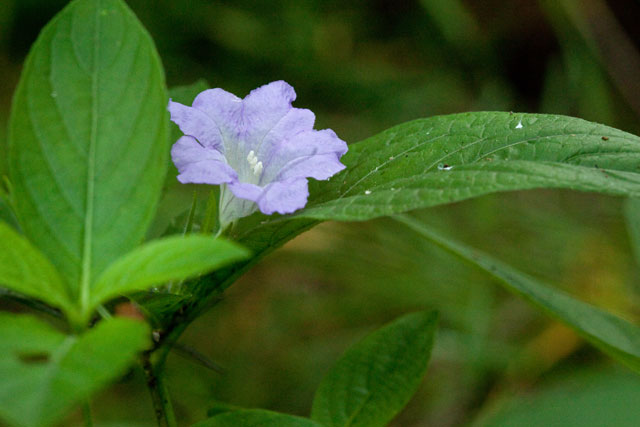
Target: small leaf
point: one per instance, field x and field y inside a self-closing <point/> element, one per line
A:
<point x="160" y="261"/>
<point x="256" y="418"/>
<point x="24" y="269"/>
<point x="375" y="379"/>
<point x="88" y="139"/>
<point x="614" y="336"/>
<point x="45" y="372"/>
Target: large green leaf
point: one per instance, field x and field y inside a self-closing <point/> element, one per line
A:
<point x="256" y="418"/>
<point x="375" y="378"/>
<point x="444" y="159"/>
<point x="614" y="336"/>
<point x="160" y="261"/>
<point x="45" y="372"/>
<point x="88" y="139"/>
<point x="24" y="269"/>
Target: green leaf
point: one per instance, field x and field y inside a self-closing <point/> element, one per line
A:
<point x="444" y="159"/>
<point x="614" y="336"/>
<point x="88" y="139"/>
<point x="487" y="152"/>
<point x="375" y="378"/>
<point x="256" y="417"/>
<point x="45" y="372"/>
<point x="24" y="269"/>
<point x="160" y="261"/>
<point x="398" y="170"/>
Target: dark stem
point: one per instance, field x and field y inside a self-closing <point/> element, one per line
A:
<point x="162" y="406"/>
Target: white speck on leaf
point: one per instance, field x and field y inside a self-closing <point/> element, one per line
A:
<point x="367" y="192"/>
<point x="444" y="167"/>
<point x="519" y="125"/>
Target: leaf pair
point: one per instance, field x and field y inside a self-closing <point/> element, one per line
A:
<point x="367" y="387"/>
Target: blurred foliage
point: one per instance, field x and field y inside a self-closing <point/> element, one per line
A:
<point x="363" y="66"/>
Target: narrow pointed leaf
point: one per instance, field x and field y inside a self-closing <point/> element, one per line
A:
<point x="88" y="138"/>
<point x="45" y="372"/>
<point x="160" y="261"/>
<point x="613" y="335"/>
<point x="256" y="418"/>
<point x="24" y="269"/>
<point x="375" y="378"/>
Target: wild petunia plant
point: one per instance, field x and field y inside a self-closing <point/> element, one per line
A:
<point x="88" y="153"/>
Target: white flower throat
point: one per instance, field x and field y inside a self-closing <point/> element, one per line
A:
<point x="254" y="164"/>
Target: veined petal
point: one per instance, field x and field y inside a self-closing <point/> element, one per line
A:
<point x="224" y="109"/>
<point x="247" y="191"/>
<point x="284" y="197"/>
<point x="314" y="154"/>
<point x="200" y="165"/>
<point x="196" y="123"/>
<point x="317" y="166"/>
<point x="294" y="122"/>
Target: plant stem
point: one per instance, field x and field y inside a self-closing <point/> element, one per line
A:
<point x="159" y="393"/>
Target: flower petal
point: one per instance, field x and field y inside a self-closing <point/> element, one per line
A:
<point x="245" y="190"/>
<point x="280" y="196"/>
<point x="196" y="123"/>
<point x="200" y="165"/>
<point x="294" y="122"/>
<point x="263" y="109"/>
<point x="314" y="154"/>
<point x="224" y="109"/>
<point x="284" y="196"/>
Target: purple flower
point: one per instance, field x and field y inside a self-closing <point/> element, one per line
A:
<point x="260" y="149"/>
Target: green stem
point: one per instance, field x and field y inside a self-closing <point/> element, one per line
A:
<point x="159" y="393"/>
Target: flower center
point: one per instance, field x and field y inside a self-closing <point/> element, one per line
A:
<point x="254" y="164"/>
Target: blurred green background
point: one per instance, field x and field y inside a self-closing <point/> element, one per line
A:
<point x="363" y="66"/>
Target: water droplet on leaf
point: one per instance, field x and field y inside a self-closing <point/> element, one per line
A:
<point x="444" y="167"/>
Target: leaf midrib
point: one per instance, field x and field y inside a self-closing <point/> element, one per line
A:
<point x="85" y="278"/>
